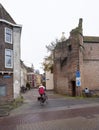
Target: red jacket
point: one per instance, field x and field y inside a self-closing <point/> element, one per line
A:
<point x="41" y="90"/>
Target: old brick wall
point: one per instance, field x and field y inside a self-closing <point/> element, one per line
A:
<point x="91" y="65"/>
<point x="67" y="62"/>
<point x="73" y="62"/>
<point x="76" y="54"/>
<point x="60" y="77"/>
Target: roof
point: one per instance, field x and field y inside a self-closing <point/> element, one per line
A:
<point x="91" y="39"/>
<point x="5" y="15"/>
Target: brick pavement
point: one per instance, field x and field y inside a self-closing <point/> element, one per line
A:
<point x="77" y="123"/>
<point x="74" y="123"/>
<point x="76" y="117"/>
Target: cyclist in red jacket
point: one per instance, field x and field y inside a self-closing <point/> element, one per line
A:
<point x="43" y="97"/>
<point x="41" y="90"/>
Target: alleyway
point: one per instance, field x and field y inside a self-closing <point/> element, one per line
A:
<point x="61" y="113"/>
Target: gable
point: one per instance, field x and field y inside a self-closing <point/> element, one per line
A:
<point x="5" y="15"/>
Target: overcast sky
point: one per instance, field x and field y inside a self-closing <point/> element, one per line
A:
<point x="44" y="20"/>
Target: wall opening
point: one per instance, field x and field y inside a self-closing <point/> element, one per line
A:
<point x="73" y="88"/>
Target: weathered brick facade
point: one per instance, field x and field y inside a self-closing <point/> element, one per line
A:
<point x="6" y="74"/>
<point x="80" y="53"/>
<point x="10" y="50"/>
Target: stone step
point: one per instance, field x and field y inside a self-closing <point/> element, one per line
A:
<point x="4" y="112"/>
<point x="5" y="109"/>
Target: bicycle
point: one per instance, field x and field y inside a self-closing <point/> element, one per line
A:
<point x="43" y="99"/>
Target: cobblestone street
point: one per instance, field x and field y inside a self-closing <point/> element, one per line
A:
<point x="61" y="113"/>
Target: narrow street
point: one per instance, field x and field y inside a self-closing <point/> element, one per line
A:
<point x="60" y="113"/>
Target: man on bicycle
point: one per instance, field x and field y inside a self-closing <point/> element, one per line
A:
<point x="43" y="97"/>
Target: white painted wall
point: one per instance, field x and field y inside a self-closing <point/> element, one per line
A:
<point x="23" y="76"/>
<point x="49" y="81"/>
<point x="16" y="61"/>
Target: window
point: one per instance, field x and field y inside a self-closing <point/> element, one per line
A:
<point x="8" y="58"/>
<point x="2" y="90"/>
<point x="8" y="35"/>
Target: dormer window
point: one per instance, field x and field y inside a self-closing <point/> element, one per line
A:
<point x="8" y="35"/>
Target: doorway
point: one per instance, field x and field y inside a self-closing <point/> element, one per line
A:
<point x="73" y="88"/>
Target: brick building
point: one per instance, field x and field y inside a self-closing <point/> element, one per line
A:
<point x="77" y="53"/>
<point x="9" y="56"/>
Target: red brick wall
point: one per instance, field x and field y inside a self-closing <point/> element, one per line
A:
<point x="60" y="79"/>
<point x="91" y="65"/>
<point x="64" y="73"/>
<point x="83" y="57"/>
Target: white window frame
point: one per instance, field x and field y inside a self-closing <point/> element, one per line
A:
<point x="8" y="35"/>
<point x="10" y="56"/>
